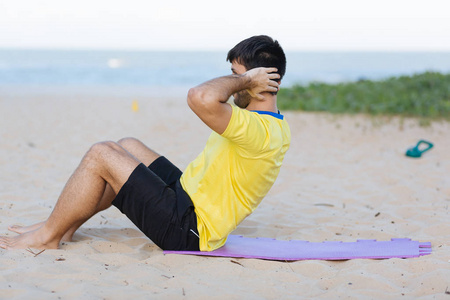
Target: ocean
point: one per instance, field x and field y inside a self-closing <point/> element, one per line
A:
<point x="181" y="70"/>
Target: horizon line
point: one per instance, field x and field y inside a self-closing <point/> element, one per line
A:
<point x="138" y="49"/>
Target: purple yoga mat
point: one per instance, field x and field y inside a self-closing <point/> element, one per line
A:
<point x="264" y="248"/>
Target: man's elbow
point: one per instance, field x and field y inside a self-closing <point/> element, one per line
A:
<point x="196" y="98"/>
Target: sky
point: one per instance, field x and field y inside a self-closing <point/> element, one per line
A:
<point x="313" y="25"/>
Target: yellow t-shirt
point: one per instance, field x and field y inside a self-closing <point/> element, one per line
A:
<point x="228" y="180"/>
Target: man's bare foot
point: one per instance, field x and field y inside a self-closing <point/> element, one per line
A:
<point x="24" y="229"/>
<point x="33" y="239"/>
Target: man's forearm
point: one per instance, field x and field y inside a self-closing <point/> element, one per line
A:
<point x="255" y="81"/>
<point x="207" y="100"/>
<point x="219" y="89"/>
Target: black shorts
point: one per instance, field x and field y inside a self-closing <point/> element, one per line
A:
<point x="154" y="200"/>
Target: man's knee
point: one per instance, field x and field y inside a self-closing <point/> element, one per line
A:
<point x="128" y="142"/>
<point x="139" y="150"/>
<point x="102" y="150"/>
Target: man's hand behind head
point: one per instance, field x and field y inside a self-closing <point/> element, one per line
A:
<point x="262" y="80"/>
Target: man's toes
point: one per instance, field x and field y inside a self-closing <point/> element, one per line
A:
<point x="3" y="245"/>
<point x="15" y="228"/>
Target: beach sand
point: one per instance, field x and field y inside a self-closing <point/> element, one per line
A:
<point x="344" y="178"/>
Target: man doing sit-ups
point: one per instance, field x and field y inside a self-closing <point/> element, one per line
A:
<point x="197" y="209"/>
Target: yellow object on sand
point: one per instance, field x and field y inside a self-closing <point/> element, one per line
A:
<point x="134" y="106"/>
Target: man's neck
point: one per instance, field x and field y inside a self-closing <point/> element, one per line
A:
<point x="269" y="104"/>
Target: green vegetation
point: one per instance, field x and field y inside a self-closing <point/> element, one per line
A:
<point x="424" y="95"/>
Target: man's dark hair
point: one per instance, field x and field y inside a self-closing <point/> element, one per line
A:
<point x="259" y="51"/>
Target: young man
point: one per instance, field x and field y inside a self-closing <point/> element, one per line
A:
<point x="197" y="209"/>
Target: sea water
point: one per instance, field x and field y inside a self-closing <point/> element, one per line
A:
<point x="180" y="70"/>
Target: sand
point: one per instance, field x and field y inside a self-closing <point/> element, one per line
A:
<point x="344" y="178"/>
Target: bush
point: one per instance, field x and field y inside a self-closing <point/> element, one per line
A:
<point x="425" y="95"/>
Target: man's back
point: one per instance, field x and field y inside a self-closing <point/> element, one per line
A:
<point x="228" y="180"/>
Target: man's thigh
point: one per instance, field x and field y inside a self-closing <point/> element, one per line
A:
<point x="149" y="203"/>
<point x="165" y="170"/>
<point x="139" y="150"/>
<point x="112" y="162"/>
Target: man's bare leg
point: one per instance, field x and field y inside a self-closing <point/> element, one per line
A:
<point x="136" y="149"/>
<point x="142" y="153"/>
<point x="107" y="198"/>
<point x="104" y="163"/>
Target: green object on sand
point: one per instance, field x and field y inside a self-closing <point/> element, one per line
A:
<point x="417" y="151"/>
